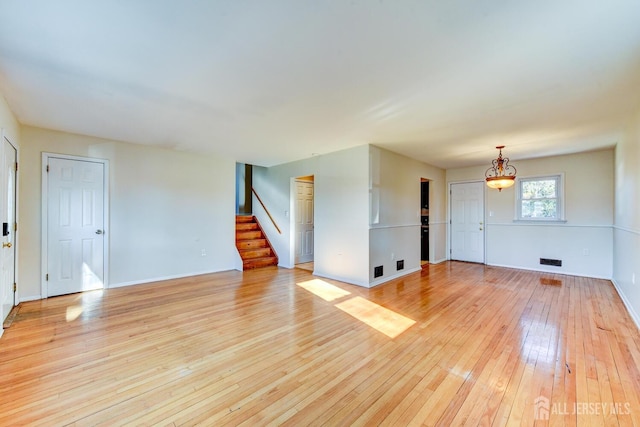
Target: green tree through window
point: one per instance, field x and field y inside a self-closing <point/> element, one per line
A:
<point x="539" y="198"/>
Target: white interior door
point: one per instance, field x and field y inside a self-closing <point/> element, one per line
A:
<point x="8" y="219"/>
<point x="467" y="222"/>
<point x="75" y="225"/>
<point x="304" y="222"/>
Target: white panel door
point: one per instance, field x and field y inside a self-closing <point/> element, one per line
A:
<point x="467" y="222"/>
<point x="75" y="226"/>
<point x="304" y="222"/>
<point x="8" y="219"/>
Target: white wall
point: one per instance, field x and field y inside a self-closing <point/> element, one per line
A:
<point x="584" y="242"/>
<point x="341" y="211"/>
<point x="394" y="228"/>
<point x="626" y="237"/>
<point x="165" y="208"/>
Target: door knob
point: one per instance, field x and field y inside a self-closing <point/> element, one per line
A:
<point x="6" y="245"/>
<point x="98" y="231"/>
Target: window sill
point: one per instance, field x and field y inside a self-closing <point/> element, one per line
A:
<point x="541" y="221"/>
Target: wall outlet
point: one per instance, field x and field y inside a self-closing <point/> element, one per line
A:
<point x="203" y="252"/>
<point x="585" y="252"/>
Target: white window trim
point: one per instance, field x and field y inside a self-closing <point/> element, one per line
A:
<point x="561" y="198"/>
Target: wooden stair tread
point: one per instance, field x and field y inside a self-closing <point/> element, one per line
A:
<point x="244" y="218"/>
<point x="259" y="262"/>
<point x="248" y="235"/>
<point x="255" y="253"/>
<point x="252" y="244"/>
<point x="246" y="226"/>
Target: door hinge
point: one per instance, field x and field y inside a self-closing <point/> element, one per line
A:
<point x="46" y="277"/>
<point x="15" y="226"/>
<point x="16" y="166"/>
<point x="47" y="168"/>
<point x="15" y="287"/>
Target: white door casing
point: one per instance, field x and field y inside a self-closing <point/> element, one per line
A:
<point x="74" y="214"/>
<point x="8" y="155"/>
<point x="304" y="222"/>
<point x="467" y="222"/>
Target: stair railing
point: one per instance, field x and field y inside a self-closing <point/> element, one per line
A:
<point x="266" y="210"/>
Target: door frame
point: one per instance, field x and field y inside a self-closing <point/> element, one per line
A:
<point x="294" y="213"/>
<point x="16" y="295"/>
<point x="484" y="216"/>
<point x="292" y="217"/>
<point x="45" y="214"/>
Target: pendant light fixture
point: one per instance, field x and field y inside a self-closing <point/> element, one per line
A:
<point x="501" y="174"/>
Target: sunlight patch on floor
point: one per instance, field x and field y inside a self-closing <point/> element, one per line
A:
<point x="73" y="312"/>
<point x="90" y="280"/>
<point x="82" y="298"/>
<point x="381" y="319"/>
<point x="324" y="290"/>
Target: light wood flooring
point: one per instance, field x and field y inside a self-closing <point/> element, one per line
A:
<point x="454" y="344"/>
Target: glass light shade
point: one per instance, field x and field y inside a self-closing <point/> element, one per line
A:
<point x="500" y="182"/>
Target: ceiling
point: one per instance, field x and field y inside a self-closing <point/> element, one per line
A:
<point x="267" y="82"/>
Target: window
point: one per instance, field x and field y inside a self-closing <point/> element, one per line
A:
<point x="540" y="198"/>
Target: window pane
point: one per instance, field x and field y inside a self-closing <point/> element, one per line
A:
<point x="539" y="189"/>
<point x="544" y="208"/>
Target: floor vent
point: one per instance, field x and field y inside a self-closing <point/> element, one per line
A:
<point x="400" y="265"/>
<point x="554" y="262"/>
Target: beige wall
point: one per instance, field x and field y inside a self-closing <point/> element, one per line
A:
<point x="8" y="123"/>
<point x="626" y="259"/>
<point x="165" y="208"/>
<point x="584" y="243"/>
<point x="394" y="223"/>
<point x="9" y="129"/>
<point x="341" y="206"/>
<point x="347" y="244"/>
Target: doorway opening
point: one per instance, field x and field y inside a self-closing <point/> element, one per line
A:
<point x="75" y="210"/>
<point x="303" y="222"/>
<point x="424" y="221"/>
<point x="244" y="183"/>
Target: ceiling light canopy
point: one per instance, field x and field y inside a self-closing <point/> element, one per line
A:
<point x="501" y="174"/>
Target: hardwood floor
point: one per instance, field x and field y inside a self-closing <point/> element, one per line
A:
<point x="453" y="344"/>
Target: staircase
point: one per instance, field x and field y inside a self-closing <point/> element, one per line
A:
<point x="253" y="246"/>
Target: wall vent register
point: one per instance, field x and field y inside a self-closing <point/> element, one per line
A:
<point x="553" y="262"/>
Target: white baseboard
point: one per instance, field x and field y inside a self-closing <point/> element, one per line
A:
<point x="160" y="279"/>
<point x="438" y="261"/>
<point x="627" y="304"/>
<point x="395" y="276"/>
<point x="364" y="284"/>
<point x="341" y="279"/>
<point x="33" y="298"/>
<point x="566" y="273"/>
